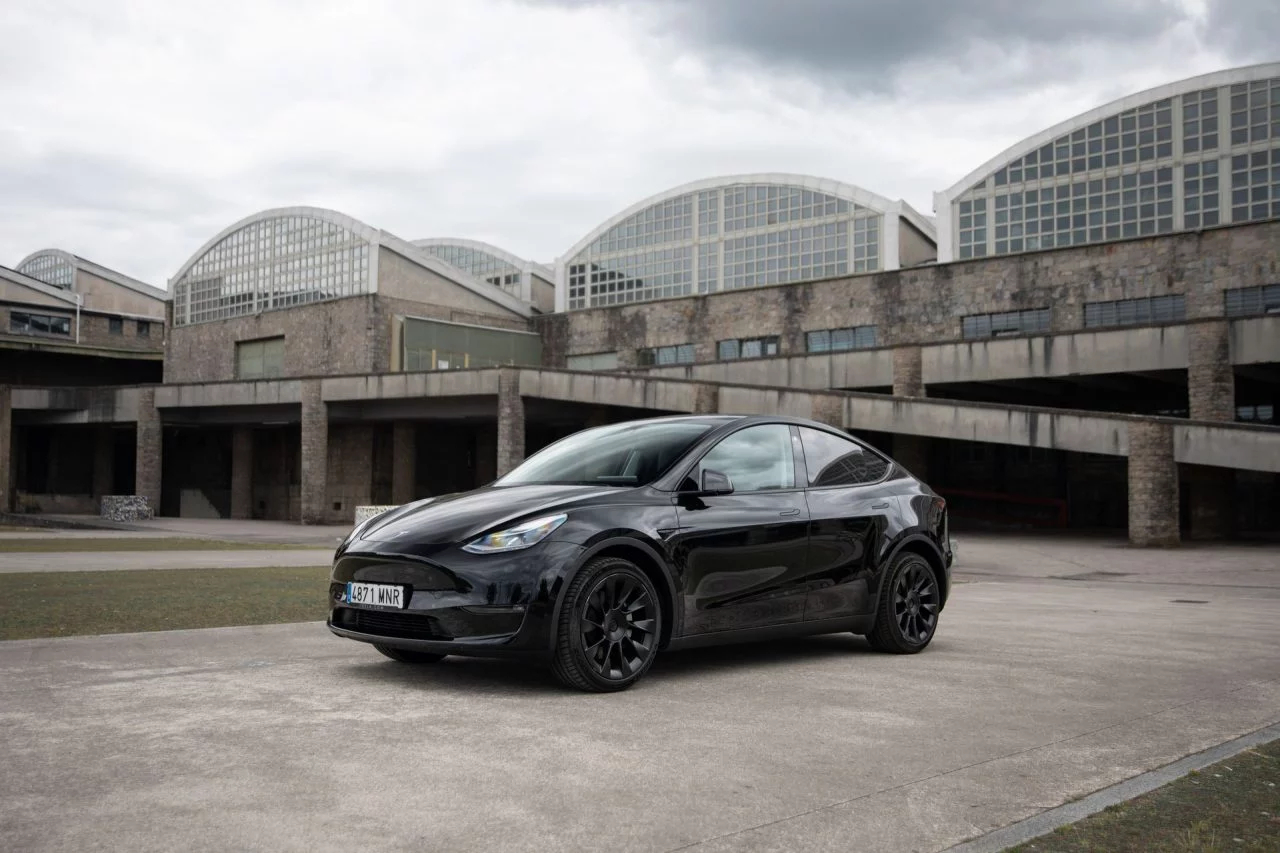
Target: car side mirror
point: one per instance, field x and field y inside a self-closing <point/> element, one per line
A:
<point x="716" y="483"/>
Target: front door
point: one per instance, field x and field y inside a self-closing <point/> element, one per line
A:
<point x="741" y="556"/>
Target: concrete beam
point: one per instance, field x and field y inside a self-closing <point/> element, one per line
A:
<point x="1255" y="341"/>
<point x="262" y="392"/>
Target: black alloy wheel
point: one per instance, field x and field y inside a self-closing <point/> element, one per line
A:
<point x="910" y="602"/>
<point x="609" y="627"/>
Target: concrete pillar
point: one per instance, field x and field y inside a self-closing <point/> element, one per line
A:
<point x="1153" y="485"/>
<point x="315" y="453"/>
<point x="404" y="462"/>
<point x="706" y="399"/>
<point x="912" y="453"/>
<point x="908" y="372"/>
<point x="104" y="453"/>
<point x="1211" y="382"/>
<point x="1213" y="501"/>
<point x="828" y="409"/>
<point x="241" y="472"/>
<point x="147" y="470"/>
<point x="510" y="421"/>
<point x="6" y="449"/>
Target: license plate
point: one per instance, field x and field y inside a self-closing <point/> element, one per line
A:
<point x="375" y="595"/>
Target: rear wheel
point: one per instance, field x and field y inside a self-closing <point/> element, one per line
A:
<point x="910" y="601"/>
<point x="409" y="655"/>
<point x="607" y="635"/>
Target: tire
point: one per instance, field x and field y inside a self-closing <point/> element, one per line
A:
<point x="609" y="626"/>
<point x="409" y="655"/>
<point x="910" y="601"/>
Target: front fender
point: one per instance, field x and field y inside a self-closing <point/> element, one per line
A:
<point x="619" y="540"/>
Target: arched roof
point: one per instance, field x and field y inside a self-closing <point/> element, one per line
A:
<point x="839" y="189"/>
<point x="71" y="261"/>
<point x="375" y="237"/>
<point x="1169" y="90"/>
<point x="78" y="263"/>
<point x="355" y="226"/>
<point x="476" y="246"/>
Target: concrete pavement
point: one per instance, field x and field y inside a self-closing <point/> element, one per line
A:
<point x="1037" y="690"/>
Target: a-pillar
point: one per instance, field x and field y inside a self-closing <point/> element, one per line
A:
<point x="1211" y="384"/>
<point x="912" y="453"/>
<point x="404" y="462"/>
<point x="1213" y="501"/>
<point x="150" y="436"/>
<point x="510" y="421"/>
<point x="103" y="461"/>
<point x="6" y="449"/>
<point x="242" y="472"/>
<point x="1153" y="485"/>
<point x="908" y="372"/>
<point x="315" y="453"/>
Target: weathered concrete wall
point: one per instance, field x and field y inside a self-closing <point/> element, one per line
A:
<point x="923" y="305"/>
<point x="348" y="480"/>
<point x="321" y="338"/>
<point x="315" y="454"/>
<point x="853" y="369"/>
<point x="1255" y="341"/>
<point x="102" y="295"/>
<point x="407" y="283"/>
<point x="1078" y="353"/>
<point x="1153" y="485"/>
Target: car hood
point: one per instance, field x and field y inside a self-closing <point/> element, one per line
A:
<point x="457" y="518"/>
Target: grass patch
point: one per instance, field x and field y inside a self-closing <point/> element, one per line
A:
<point x="63" y="604"/>
<point x="54" y="544"/>
<point x="1231" y="806"/>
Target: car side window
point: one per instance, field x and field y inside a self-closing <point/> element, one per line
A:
<point x="835" y="461"/>
<point x="756" y="459"/>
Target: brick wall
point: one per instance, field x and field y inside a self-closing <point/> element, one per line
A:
<point x="95" y="329"/>
<point x="924" y="305"/>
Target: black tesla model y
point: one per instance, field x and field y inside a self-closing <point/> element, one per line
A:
<point x="620" y="541"/>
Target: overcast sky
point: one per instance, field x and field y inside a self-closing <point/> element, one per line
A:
<point x="131" y="131"/>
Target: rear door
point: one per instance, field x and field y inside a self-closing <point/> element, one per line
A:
<point x="852" y="509"/>
<point x="741" y="557"/>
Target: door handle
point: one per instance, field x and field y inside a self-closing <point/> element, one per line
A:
<point x="790" y="512"/>
<point x="880" y="506"/>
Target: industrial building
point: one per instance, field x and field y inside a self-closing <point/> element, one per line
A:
<point x="1122" y="373"/>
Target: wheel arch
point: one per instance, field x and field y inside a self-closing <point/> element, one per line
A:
<point x="647" y="559"/>
<point x="918" y="543"/>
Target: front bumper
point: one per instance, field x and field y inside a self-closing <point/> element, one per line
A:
<point x="458" y="603"/>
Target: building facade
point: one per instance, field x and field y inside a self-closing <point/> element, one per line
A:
<point x="1120" y="374"/>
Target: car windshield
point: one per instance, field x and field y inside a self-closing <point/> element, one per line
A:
<point x="619" y="455"/>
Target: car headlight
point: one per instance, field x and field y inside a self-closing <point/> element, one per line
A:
<point x="514" y="538"/>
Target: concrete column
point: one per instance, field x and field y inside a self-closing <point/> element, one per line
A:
<point x="510" y="421"/>
<point x="1211" y="382"/>
<point x="1153" y="485"/>
<point x="147" y="471"/>
<point x="706" y="400"/>
<point x="827" y="409"/>
<point x="912" y="453"/>
<point x="908" y="372"/>
<point x="404" y="462"/>
<point x="241" y="472"/>
<point x="315" y="453"/>
<point x="1213" y="501"/>
<point x="6" y="449"/>
<point x="103" y="461"/>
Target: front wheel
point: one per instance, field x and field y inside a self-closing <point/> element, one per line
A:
<point x="409" y="655"/>
<point x="607" y="634"/>
<point x="910" y="601"/>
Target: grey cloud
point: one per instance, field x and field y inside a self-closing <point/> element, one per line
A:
<point x="863" y="44"/>
<point x="1248" y="28"/>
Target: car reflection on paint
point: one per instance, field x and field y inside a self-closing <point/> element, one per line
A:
<point x="622" y="541"/>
